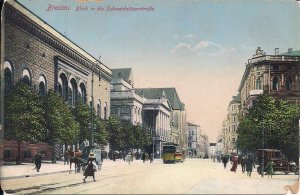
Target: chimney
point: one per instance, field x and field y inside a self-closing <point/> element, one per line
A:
<point x="276" y="51"/>
<point x="290" y="50"/>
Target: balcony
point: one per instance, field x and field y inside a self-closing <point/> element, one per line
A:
<point x="273" y="58"/>
<point x="256" y="92"/>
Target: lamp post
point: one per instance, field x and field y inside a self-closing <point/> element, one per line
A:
<point x="92" y="109"/>
<point x="263" y="145"/>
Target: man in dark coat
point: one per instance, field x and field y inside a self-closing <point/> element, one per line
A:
<point x="243" y="163"/>
<point x="38" y="161"/>
<point x="249" y="165"/>
<point x="225" y="160"/>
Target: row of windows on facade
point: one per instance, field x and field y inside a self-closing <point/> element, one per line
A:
<point x="70" y="93"/>
<point x="276" y="83"/>
<point x="125" y="110"/>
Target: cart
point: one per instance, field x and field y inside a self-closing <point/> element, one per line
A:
<point x="281" y="163"/>
<point x="97" y="152"/>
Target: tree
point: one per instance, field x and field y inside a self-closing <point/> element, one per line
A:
<point x="127" y="135"/>
<point x="101" y="133"/>
<point x="272" y="122"/>
<point x="61" y="125"/>
<point x="23" y="117"/>
<point x="82" y="114"/>
<point x="142" y="137"/>
<point x="114" y="133"/>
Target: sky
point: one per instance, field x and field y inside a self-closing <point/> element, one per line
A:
<point x="200" y="47"/>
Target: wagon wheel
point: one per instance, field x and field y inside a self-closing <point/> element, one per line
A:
<point x="296" y="170"/>
<point x="259" y="170"/>
<point x="100" y="165"/>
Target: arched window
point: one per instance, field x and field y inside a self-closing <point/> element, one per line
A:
<point x="64" y="86"/>
<point x="26" y="78"/>
<point x="42" y="85"/>
<point x="8" y="79"/>
<point x="99" y="108"/>
<point x="288" y="83"/>
<point x="275" y="83"/>
<point x="258" y="83"/>
<point x="105" y="111"/>
<point x="74" y="92"/>
<point x="83" y="92"/>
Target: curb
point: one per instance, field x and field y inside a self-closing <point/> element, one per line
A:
<point x="22" y="176"/>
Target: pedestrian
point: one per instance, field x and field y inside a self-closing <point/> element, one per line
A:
<point x="243" y="163"/>
<point x="143" y="157"/>
<point x="90" y="167"/>
<point x="38" y="161"/>
<point x="249" y="165"/>
<point x="66" y="158"/>
<point x="128" y="158"/>
<point x="225" y="160"/>
<point x="270" y="170"/>
<point x="151" y="157"/>
<point x="234" y="164"/>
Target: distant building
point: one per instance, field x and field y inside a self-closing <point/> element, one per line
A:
<point x="125" y="103"/>
<point x="219" y="146"/>
<point x="193" y="140"/>
<point x="230" y="125"/>
<point x="277" y="75"/>
<point x="177" y="121"/>
<point x="212" y="149"/>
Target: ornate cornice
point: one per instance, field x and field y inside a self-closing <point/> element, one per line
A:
<point x="28" y="26"/>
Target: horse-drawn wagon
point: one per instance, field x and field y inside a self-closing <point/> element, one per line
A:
<point x="96" y="150"/>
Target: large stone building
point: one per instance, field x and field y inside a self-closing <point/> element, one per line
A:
<point x="230" y="125"/>
<point x="177" y="121"/>
<point x="37" y="54"/>
<point x="125" y="103"/>
<point x="277" y="75"/>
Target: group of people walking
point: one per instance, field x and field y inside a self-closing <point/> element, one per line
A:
<point x="247" y="164"/>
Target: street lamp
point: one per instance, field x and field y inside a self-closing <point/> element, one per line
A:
<point x="263" y="146"/>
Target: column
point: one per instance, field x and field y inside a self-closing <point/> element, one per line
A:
<point x="131" y="113"/>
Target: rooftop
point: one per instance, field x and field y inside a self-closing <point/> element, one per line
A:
<point x="154" y="93"/>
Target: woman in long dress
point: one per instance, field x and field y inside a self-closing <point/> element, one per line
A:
<point x="234" y="164"/>
<point x="89" y="171"/>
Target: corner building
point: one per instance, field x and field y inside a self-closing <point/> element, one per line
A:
<point x="277" y="75"/>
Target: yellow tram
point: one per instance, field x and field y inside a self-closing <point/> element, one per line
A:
<point x="171" y="153"/>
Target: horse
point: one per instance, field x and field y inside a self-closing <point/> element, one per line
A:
<point x="75" y="157"/>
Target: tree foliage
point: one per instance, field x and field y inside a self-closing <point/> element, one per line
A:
<point x="24" y="113"/>
<point x="123" y="135"/>
<point x="60" y="123"/>
<point x="101" y="132"/>
<point x="82" y="114"/>
<point x="270" y="123"/>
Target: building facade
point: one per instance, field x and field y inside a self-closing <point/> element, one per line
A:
<point x="230" y="125"/>
<point x="277" y="75"/>
<point x="156" y="117"/>
<point x="193" y="140"/>
<point x="40" y="56"/>
<point x="125" y="103"/>
<point x="178" y="122"/>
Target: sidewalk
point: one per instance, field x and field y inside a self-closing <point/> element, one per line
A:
<point x="13" y="171"/>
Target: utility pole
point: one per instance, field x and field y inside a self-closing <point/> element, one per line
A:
<point x="92" y="110"/>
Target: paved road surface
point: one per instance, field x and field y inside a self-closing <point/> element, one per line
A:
<point x="194" y="176"/>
